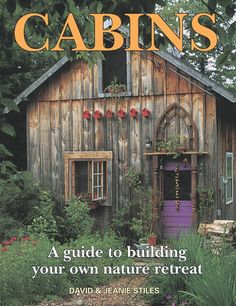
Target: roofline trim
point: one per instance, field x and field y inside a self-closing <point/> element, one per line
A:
<point x="41" y="80"/>
<point x="197" y="75"/>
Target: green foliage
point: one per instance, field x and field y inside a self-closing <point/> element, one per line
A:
<point x="115" y="87"/>
<point x="78" y="220"/>
<point x="17" y="285"/>
<point x="142" y="202"/>
<point x="206" y="196"/>
<point x="217" y="286"/>
<point x="219" y="64"/>
<point x="132" y="177"/>
<point x="136" y="213"/>
<point x="172" y="145"/>
<point x="206" y="201"/>
<point x="24" y="202"/>
<point x="16" y="282"/>
<point x="209" y="288"/>
<point x="109" y="240"/>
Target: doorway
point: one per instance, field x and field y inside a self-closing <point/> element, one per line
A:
<point x="176" y="215"/>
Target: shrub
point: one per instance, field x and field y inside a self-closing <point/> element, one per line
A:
<point x="109" y="240"/>
<point x="17" y="258"/>
<point x="216" y="286"/>
<point x="78" y="221"/>
<point x="24" y="202"/>
<point x="17" y="285"/>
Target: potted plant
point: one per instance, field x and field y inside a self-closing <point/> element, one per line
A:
<point x="173" y="146"/>
<point x="114" y="87"/>
<point x="143" y="230"/>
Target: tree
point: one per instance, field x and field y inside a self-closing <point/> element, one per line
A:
<point x="219" y="64"/>
<point x="13" y="60"/>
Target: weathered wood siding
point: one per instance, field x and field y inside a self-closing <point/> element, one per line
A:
<point x="55" y="122"/>
<point x="226" y="127"/>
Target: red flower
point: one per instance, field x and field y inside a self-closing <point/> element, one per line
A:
<point x="4" y="243"/>
<point x="5" y="249"/>
<point x="26" y="238"/>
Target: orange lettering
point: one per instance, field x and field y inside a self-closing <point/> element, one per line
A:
<point x="76" y="36"/>
<point x="99" y="32"/>
<point x="19" y="32"/>
<point x="175" y="39"/>
<point x="204" y="31"/>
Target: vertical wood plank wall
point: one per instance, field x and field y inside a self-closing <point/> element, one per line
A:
<point x="226" y="128"/>
<point x="55" y="123"/>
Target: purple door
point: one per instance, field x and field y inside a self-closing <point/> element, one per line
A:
<point x="177" y="208"/>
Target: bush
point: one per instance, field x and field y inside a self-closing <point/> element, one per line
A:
<point x="24" y="202"/>
<point x="17" y="285"/>
<point x="17" y="258"/>
<point x="109" y="240"/>
<point x="216" y="286"/>
<point x="78" y="221"/>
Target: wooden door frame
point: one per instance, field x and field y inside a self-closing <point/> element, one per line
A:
<point x="158" y="196"/>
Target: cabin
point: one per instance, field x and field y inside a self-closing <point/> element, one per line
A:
<point x="147" y="111"/>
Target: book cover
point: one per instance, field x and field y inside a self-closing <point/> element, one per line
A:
<point x="117" y="153"/>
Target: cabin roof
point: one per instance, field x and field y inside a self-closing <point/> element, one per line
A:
<point x="167" y="56"/>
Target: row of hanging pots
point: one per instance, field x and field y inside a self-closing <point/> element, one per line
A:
<point x="121" y="114"/>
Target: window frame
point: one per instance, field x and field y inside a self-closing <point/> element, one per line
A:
<point x="229" y="200"/>
<point x="128" y="92"/>
<point x="93" y="186"/>
<point x="90" y="157"/>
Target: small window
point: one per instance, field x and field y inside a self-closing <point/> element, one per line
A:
<point x="114" y="77"/>
<point x="185" y="185"/>
<point x="86" y="175"/>
<point x="229" y="177"/>
<point x="89" y="177"/>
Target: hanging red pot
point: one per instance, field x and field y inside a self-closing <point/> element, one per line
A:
<point x="121" y="114"/>
<point x="97" y="115"/>
<point x="146" y="113"/>
<point x="109" y="114"/>
<point x="86" y="115"/>
<point x="134" y="113"/>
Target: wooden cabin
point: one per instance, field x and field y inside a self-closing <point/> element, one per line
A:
<point x="85" y="130"/>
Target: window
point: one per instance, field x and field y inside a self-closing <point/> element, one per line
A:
<point x="185" y="185"/>
<point x="89" y="177"/>
<point x="114" y="76"/>
<point x="229" y="178"/>
<point x="87" y="173"/>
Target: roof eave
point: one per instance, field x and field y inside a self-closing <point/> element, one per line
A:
<point x="198" y="76"/>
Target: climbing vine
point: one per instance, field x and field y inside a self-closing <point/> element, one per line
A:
<point x="177" y="188"/>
